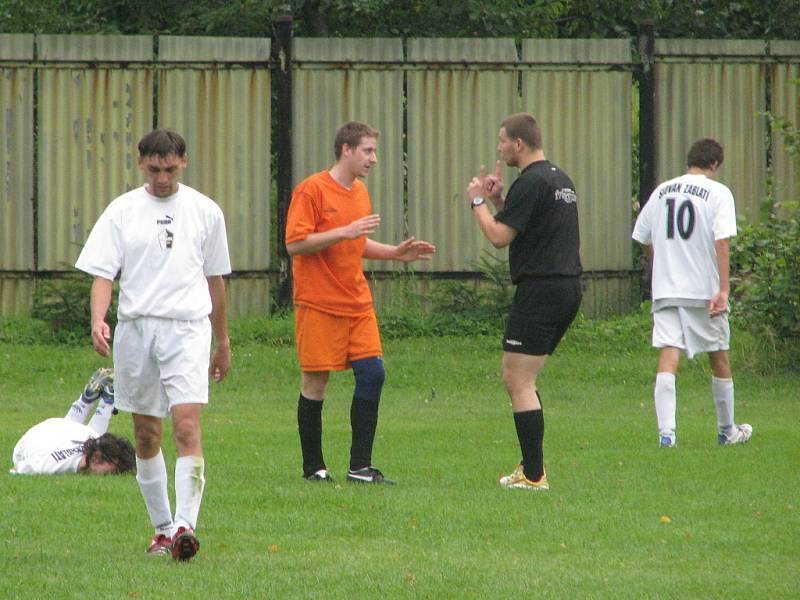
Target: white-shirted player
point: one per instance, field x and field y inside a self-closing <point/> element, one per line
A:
<point x="686" y="224"/>
<point x="65" y="445"/>
<point x="168" y="244"/>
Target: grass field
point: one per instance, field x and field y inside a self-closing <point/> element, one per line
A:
<point x="623" y="519"/>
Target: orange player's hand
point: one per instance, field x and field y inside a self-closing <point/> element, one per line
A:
<point x="362" y="226"/>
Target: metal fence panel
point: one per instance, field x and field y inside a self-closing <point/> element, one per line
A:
<point x="16" y="46"/>
<point x="224" y="115"/>
<point x="16" y="173"/>
<point x="89" y="122"/>
<point x="173" y="48"/>
<point x="111" y="48"/>
<point x="785" y="91"/>
<point x="577" y="52"/>
<point x="698" y="95"/>
<point x="586" y="127"/>
<point x="454" y="115"/>
<point x="585" y="116"/>
<point x="329" y="92"/>
<point x="248" y="296"/>
<point x="16" y="166"/>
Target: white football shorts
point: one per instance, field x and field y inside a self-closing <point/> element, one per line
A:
<point x="159" y="363"/>
<point x="690" y="329"/>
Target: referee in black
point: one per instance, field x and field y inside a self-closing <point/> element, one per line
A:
<point x="538" y="219"/>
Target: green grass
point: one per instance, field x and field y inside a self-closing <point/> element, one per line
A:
<point x="447" y="530"/>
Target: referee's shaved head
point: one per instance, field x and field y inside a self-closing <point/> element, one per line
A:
<point x="704" y="153"/>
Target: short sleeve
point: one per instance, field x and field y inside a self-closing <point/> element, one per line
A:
<point x="101" y="255"/>
<point x="302" y="217"/>
<point x="724" y="224"/>
<point x="216" y="259"/>
<point x="643" y="229"/>
<point x="517" y="211"/>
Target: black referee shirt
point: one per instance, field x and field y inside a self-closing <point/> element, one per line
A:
<point x="542" y="206"/>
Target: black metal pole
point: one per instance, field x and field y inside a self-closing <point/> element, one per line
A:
<point x="647" y="133"/>
<point x="647" y="112"/>
<point x="282" y="55"/>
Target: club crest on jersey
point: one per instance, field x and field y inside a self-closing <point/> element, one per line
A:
<point x="165" y="235"/>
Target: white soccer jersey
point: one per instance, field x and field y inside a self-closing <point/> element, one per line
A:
<point x="164" y="248"/>
<point x="682" y="220"/>
<point x="53" y="446"/>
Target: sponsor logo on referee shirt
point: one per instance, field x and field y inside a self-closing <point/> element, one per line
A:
<point x="566" y="195"/>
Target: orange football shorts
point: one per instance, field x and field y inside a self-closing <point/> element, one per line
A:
<point x="327" y="342"/>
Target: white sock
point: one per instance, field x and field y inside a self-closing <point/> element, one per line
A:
<point x="722" y="391"/>
<point x="79" y="410"/>
<point x="666" y="402"/>
<point x="189" y="484"/>
<point x="102" y="417"/>
<point x="151" y="473"/>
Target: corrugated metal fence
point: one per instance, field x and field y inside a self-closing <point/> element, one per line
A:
<point x="73" y="108"/>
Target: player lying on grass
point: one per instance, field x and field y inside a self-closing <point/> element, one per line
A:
<point x="66" y="445"/>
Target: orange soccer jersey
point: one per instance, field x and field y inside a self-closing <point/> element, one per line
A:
<point x="331" y="280"/>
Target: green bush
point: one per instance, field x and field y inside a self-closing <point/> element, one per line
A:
<point x="452" y="308"/>
<point x="765" y="277"/>
<point x="64" y="304"/>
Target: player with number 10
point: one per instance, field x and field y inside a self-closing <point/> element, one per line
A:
<point x="686" y="224"/>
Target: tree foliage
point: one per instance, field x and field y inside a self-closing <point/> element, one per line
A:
<point x="745" y="19"/>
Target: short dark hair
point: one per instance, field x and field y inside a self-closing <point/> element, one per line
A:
<point x="524" y="127"/>
<point x="162" y="142"/>
<point x="704" y="153"/>
<point x="112" y="448"/>
<point x="351" y="134"/>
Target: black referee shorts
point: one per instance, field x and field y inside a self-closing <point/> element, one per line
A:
<point x="541" y="313"/>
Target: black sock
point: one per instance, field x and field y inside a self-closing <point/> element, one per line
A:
<point x="309" y="424"/>
<point x="530" y="431"/>
<point x="363" y="422"/>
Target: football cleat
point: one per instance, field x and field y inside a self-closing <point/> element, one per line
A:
<point x="101" y="383"/>
<point x="321" y="475"/>
<point x="368" y="475"/>
<point x="159" y="546"/>
<point x="741" y="434"/>
<point x="184" y="544"/>
<point x="667" y="440"/>
<point x="517" y="473"/>
<point x="517" y="480"/>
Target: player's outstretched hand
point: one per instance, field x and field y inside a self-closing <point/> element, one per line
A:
<point x="413" y="249"/>
<point x="362" y="226"/>
<point x="220" y="363"/>
<point x="101" y="336"/>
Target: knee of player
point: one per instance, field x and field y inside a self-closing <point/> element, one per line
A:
<point x="147" y="435"/>
<point x="370" y="375"/>
<point x="186" y="432"/>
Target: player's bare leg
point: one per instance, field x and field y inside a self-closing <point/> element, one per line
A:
<point x="519" y="375"/>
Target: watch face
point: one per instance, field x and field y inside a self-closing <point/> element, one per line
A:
<point x="477" y="201"/>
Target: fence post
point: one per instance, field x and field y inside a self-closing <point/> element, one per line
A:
<point x="647" y="131"/>
<point x="282" y="54"/>
<point x="647" y="112"/>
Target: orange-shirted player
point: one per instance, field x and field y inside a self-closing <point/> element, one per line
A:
<point x="330" y="217"/>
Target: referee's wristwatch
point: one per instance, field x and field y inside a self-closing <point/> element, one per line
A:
<point x="478" y="201"/>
